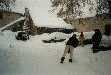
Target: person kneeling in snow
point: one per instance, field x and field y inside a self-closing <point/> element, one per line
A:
<point x="70" y="45"/>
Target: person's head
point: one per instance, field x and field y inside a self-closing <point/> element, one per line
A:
<point x="81" y="34"/>
<point x="97" y="31"/>
<point x="74" y="35"/>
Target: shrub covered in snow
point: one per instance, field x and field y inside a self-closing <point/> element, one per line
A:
<point x="106" y="41"/>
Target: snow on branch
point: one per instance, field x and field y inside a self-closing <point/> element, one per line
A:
<point x="74" y="8"/>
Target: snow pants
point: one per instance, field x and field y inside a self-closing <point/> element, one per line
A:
<point x="67" y="48"/>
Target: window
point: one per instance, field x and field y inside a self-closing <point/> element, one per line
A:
<point x="1" y="15"/>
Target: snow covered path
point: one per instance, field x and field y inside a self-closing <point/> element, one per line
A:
<point x="33" y="57"/>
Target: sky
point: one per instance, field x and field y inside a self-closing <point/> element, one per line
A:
<point x="39" y="10"/>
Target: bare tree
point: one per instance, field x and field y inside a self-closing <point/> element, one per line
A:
<point x="71" y="9"/>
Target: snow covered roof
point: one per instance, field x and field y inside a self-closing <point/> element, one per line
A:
<point x="39" y="11"/>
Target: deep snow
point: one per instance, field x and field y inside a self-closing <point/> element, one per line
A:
<point x="34" y="57"/>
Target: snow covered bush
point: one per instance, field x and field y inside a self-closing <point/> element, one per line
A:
<point x="106" y="41"/>
<point x="57" y="37"/>
<point x="22" y="36"/>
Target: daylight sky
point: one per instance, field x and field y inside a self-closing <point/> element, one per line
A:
<point x="39" y="10"/>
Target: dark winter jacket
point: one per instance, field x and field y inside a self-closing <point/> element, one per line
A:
<point x="96" y="38"/>
<point x="73" y="41"/>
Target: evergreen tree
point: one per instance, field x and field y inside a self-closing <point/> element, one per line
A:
<point x="28" y="26"/>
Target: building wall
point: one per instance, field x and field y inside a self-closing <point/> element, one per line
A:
<point x="8" y="17"/>
<point x="89" y="24"/>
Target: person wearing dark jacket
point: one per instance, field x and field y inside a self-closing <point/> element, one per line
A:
<point x="70" y="45"/>
<point x="96" y="39"/>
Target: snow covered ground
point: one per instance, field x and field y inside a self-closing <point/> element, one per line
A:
<point x="34" y="57"/>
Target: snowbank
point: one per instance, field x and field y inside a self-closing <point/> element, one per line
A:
<point x="60" y="35"/>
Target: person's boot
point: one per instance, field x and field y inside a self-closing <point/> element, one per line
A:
<point x="70" y="60"/>
<point x="62" y="59"/>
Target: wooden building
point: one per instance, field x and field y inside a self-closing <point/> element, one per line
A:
<point x="7" y="17"/>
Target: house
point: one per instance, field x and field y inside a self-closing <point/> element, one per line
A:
<point x="7" y="17"/>
<point x="16" y="21"/>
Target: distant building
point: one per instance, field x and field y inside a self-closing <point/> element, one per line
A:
<point x="7" y="17"/>
<point x="91" y="23"/>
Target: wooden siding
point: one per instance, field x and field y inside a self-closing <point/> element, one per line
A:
<point x="8" y="17"/>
